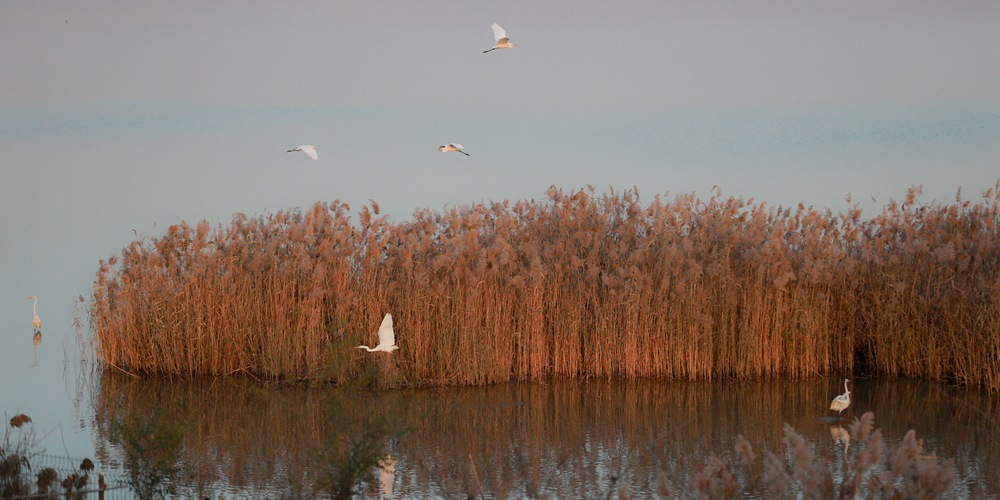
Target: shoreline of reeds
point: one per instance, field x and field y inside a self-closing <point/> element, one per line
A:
<point x="578" y="285"/>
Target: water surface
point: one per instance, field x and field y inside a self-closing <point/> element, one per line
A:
<point x="566" y="438"/>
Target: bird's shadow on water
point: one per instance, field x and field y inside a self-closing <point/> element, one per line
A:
<point x="832" y="419"/>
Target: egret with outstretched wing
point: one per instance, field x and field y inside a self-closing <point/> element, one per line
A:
<point x="386" y="337"/>
<point x="501" y="36"/>
<point x="452" y="147"/>
<point x="307" y="149"/>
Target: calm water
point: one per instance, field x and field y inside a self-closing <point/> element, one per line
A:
<point x="238" y="437"/>
<point x="565" y="438"/>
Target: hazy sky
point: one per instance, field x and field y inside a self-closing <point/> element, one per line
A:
<point x="120" y="115"/>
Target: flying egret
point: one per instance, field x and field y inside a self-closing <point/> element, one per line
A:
<point x="307" y="149"/>
<point x="386" y="337"/>
<point x="452" y="147"/>
<point x="840" y="403"/>
<point x="34" y="309"/>
<point x="502" y="41"/>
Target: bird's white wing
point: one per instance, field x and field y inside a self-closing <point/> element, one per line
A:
<point x="498" y="32"/>
<point x="309" y="150"/>
<point x="385" y="334"/>
<point x="456" y="146"/>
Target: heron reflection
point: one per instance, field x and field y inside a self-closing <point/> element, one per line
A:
<point x="387" y="475"/>
<point x="841" y="436"/>
<point x="36" y="340"/>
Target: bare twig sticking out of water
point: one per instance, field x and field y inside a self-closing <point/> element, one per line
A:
<point x="479" y="486"/>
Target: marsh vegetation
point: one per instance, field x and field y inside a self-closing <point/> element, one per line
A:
<point x="577" y="285"/>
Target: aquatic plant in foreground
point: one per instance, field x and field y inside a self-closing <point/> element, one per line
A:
<point x="23" y="471"/>
<point x="907" y="472"/>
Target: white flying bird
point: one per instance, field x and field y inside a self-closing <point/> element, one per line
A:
<point x="502" y="41"/>
<point x="452" y="147"/>
<point x="307" y="149"/>
<point x="386" y="337"/>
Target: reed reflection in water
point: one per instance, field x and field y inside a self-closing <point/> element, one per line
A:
<point x="565" y="438"/>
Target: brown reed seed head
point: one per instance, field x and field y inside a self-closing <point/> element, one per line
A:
<point x="19" y="420"/>
<point x="715" y="480"/>
<point x="776" y="480"/>
<point x="861" y="428"/>
<point x="46" y="478"/>
<point x="744" y="450"/>
<point x="802" y="455"/>
<point x="12" y="464"/>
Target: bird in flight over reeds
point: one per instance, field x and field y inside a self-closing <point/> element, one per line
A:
<point x="386" y="337"/>
<point x="34" y="309"/>
<point x="840" y="403"/>
<point x="502" y="41"/>
<point x="452" y="147"/>
<point x="307" y="149"/>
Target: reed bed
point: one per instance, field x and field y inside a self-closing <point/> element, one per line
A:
<point x="577" y="285"/>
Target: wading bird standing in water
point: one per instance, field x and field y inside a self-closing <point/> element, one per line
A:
<point x="307" y="149"/>
<point x="840" y="403"/>
<point x="386" y="337"/>
<point x="34" y="309"/>
<point x="452" y="147"/>
<point x="502" y="41"/>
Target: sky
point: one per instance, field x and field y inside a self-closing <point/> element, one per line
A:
<point x="118" y="116"/>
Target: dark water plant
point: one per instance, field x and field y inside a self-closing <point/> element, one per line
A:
<point x="24" y="472"/>
<point x="151" y="442"/>
<point x="577" y="285"/>
<point x="349" y="455"/>
<point x="17" y="451"/>
<point x="188" y="437"/>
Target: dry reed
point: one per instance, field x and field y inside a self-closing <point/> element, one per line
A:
<point x="578" y="285"/>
